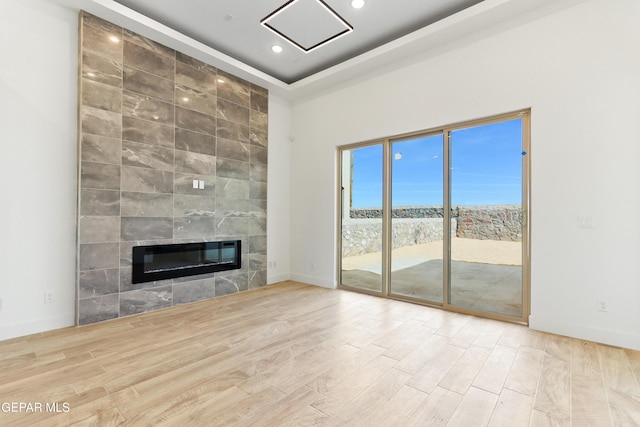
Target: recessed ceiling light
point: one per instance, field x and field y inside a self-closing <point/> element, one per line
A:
<point x="114" y="39"/>
<point x="276" y="48"/>
<point x="220" y="80"/>
<point x="357" y="4"/>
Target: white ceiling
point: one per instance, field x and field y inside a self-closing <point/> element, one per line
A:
<point x="233" y="27"/>
<point x="386" y="34"/>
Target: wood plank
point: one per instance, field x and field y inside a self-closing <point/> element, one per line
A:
<point x="554" y="388"/>
<point x="475" y="409"/>
<point x="512" y="409"/>
<point x="494" y="372"/>
<point x="437" y="410"/>
<point x="525" y="371"/>
<point x="280" y="355"/>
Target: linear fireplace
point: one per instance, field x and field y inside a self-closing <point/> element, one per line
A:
<point x="160" y="262"/>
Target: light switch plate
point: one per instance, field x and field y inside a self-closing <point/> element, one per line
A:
<point x="201" y="184"/>
<point x="195" y="183"/>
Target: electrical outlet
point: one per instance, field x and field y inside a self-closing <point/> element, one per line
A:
<point x="313" y="265"/>
<point x="48" y="297"/>
<point x="602" y="305"/>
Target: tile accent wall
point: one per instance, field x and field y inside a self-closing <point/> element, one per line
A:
<point x="151" y="121"/>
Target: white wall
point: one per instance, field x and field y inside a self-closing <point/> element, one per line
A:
<point x="578" y="71"/>
<point x="278" y="201"/>
<point x="38" y="79"/>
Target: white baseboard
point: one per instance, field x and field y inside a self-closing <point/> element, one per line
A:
<point x="330" y="284"/>
<point x="277" y="278"/>
<point x="37" y="326"/>
<point x="604" y="336"/>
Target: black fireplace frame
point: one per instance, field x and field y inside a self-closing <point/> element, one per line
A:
<point x="199" y="252"/>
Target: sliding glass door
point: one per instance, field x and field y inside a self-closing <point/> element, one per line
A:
<point x="440" y="217"/>
<point x="486" y="183"/>
<point x="361" y="197"/>
<point x="417" y="217"/>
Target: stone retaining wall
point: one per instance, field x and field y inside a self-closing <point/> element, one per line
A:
<point x="363" y="236"/>
<point x="362" y="233"/>
<point x="502" y="222"/>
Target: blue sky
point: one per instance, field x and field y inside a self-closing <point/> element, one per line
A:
<point x="486" y="169"/>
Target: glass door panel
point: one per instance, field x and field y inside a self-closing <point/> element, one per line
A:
<point x="361" y="218"/>
<point x="417" y="218"/>
<point x="486" y="188"/>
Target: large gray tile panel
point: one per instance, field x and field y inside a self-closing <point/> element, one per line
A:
<point x="93" y="283"/>
<point x="234" y="89"/>
<point x="233" y="112"/>
<point x="228" y="149"/>
<point x="101" y="70"/>
<point x="101" y="122"/>
<point x="233" y="208"/>
<point x="257" y="261"/>
<point x="99" y="229"/>
<point x="98" y="256"/>
<point x="101" y="96"/>
<point x="258" y="208"/>
<point x="228" y="168"/>
<point x="231" y="284"/>
<point x="146" y="180"/>
<point x="184" y="184"/>
<point x="257" y="227"/>
<point x="197" y="290"/>
<point x="149" y="44"/>
<point x="98" y="41"/>
<point x="195" y="142"/>
<point x="259" y="155"/>
<point x="147" y="156"/>
<point x="195" y="121"/>
<point x="258" y="190"/>
<point x="196" y="100"/>
<point x="99" y="176"/>
<point x="100" y="202"/>
<point x="231" y="188"/>
<point x="100" y="149"/>
<point x="188" y="205"/>
<point x="259" y="121"/>
<point x="257" y="279"/>
<point x="133" y="228"/>
<point x="196" y="163"/>
<point x="195" y="63"/>
<point x="194" y="227"/>
<point x="259" y="90"/>
<point x="228" y="227"/>
<point x="148" y="84"/>
<point x="147" y="108"/>
<point x="258" y="244"/>
<point x="98" y="309"/>
<point x="142" y="301"/>
<point x="147" y="60"/>
<point x="99" y="23"/>
<point x="259" y="101"/>
<point x="258" y="137"/>
<point x="258" y="172"/>
<point x="147" y="204"/>
<point x="233" y="131"/>
<point x="200" y="79"/>
<point x="149" y="132"/>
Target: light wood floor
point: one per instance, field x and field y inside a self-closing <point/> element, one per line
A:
<point x="293" y="354"/>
